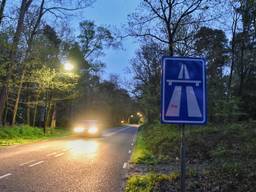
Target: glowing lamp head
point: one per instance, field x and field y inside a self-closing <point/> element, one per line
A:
<point x="93" y="130"/>
<point x="68" y="66"/>
<point x="79" y="129"/>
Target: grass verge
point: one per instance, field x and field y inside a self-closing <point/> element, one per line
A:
<point x="26" y="134"/>
<point x="141" y="154"/>
<point x="152" y="182"/>
<point x="222" y="157"/>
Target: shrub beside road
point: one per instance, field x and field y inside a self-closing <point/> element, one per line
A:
<point x="27" y="134"/>
<point x="219" y="158"/>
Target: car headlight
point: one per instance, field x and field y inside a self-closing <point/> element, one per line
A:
<point x="79" y="129"/>
<point x="93" y="130"/>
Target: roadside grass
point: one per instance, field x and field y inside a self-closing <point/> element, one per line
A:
<point x="141" y="154"/>
<point x="152" y="182"/>
<point x="152" y="144"/>
<point x="21" y="134"/>
<point x="220" y="157"/>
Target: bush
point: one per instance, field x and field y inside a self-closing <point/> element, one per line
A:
<point x="25" y="133"/>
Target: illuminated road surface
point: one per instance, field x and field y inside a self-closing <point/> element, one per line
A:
<point x="68" y="165"/>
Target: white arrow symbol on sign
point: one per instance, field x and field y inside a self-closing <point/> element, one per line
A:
<point x="192" y="104"/>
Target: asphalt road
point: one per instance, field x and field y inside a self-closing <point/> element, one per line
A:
<point x="70" y="164"/>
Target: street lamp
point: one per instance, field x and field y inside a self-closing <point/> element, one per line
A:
<point x="68" y="66"/>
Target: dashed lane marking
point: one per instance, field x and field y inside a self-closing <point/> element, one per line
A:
<point x="64" y="150"/>
<point x="6" y="175"/>
<point x="115" y="132"/>
<point x="58" y="155"/>
<point x="129" y="151"/>
<point x="51" y="154"/>
<point x="31" y="161"/>
<point x="125" y="165"/>
<point x="39" y="162"/>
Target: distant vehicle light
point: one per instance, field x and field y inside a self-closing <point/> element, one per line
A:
<point x="79" y="129"/>
<point x="93" y="130"/>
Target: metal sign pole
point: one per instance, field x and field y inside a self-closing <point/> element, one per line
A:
<point x="183" y="160"/>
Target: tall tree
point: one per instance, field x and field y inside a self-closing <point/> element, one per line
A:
<point x="94" y="39"/>
<point x="25" y="4"/>
<point x="235" y="23"/>
<point x="147" y="72"/>
<point x="31" y="37"/>
<point x="212" y="45"/>
<point x="2" y="6"/>
<point x="165" y="21"/>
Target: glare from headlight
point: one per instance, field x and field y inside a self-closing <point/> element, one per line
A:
<point x="92" y="130"/>
<point x="78" y="129"/>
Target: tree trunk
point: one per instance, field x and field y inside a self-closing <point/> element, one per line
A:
<point x="234" y="27"/>
<point x="35" y="111"/>
<point x="5" y="112"/>
<point x="12" y="56"/>
<point x="241" y="83"/>
<point x="31" y="38"/>
<point x="2" y="6"/>
<point x="48" y="105"/>
<point x="17" y="99"/>
<point x="53" y="116"/>
<point x="28" y="111"/>
<point x="47" y="116"/>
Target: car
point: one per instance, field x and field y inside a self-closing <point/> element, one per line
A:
<point x="88" y="128"/>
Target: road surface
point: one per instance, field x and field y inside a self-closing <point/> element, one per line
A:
<point x="68" y="165"/>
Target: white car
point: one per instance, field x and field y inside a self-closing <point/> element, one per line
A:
<point x="89" y="128"/>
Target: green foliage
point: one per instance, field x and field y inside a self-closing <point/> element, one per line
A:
<point x="156" y="143"/>
<point x="141" y="154"/>
<point x="151" y="182"/>
<point x="25" y="133"/>
<point x="93" y="39"/>
<point x="20" y="132"/>
<point x="220" y="157"/>
<point x="147" y="72"/>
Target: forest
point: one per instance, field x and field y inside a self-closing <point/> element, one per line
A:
<point x="52" y="74"/>
<point x="49" y="75"/>
<point x="222" y="32"/>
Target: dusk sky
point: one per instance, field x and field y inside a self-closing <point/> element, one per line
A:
<point x="114" y="13"/>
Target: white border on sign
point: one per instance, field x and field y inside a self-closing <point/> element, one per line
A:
<point x="164" y="82"/>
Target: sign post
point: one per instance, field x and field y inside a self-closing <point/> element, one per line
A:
<point x="183" y="97"/>
<point x="182" y="160"/>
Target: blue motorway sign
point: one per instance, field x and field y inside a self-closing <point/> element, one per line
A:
<point x="183" y="88"/>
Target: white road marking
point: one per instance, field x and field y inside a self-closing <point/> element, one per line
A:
<point x="64" y="150"/>
<point x="125" y="165"/>
<point x="42" y="147"/>
<point x="129" y="151"/>
<point x="39" y="162"/>
<point x="50" y="154"/>
<point x="132" y="144"/>
<point x="134" y="138"/>
<point x="58" y="155"/>
<point x="6" y="175"/>
<point x="22" y="164"/>
<point x="115" y="132"/>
